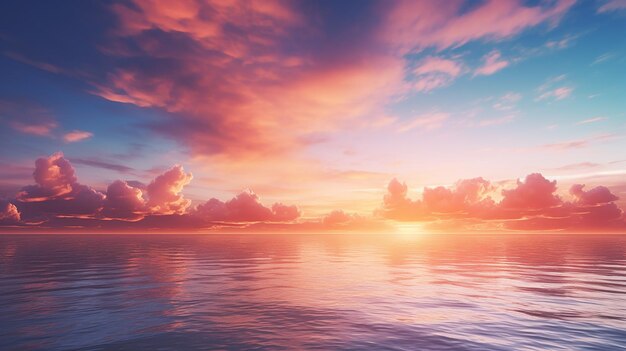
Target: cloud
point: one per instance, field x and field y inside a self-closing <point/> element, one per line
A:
<point x="124" y="201"/>
<point x="590" y="120"/>
<point x="492" y="63"/>
<point x="580" y="143"/>
<point x="612" y="5"/>
<point x="8" y="213"/>
<point x="249" y="85"/>
<point x="496" y="121"/>
<point x="596" y="196"/>
<point x="556" y="94"/>
<point x="507" y="101"/>
<point x="54" y="176"/>
<point x="164" y="192"/>
<point x="102" y="164"/>
<point x="534" y="193"/>
<point x="76" y="136"/>
<point x="40" y="129"/>
<point x="28" y="117"/>
<point x="428" y="121"/>
<point x="577" y="166"/>
<point x="420" y="24"/>
<point x="57" y="200"/>
<point x="435" y="72"/>
<point x="532" y="204"/>
<point x="57" y="191"/>
<point x="245" y="207"/>
<point x="237" y="83"/>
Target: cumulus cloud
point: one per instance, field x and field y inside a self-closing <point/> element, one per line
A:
<point x="535" y="192"/>
<point x="531" y="205"/>
<point x="57" y="191"/>
<point x="8" y="213"/>
<point x="55" y="178"/>
<point x="341" y="220"/>
<point x="164" y="192"/>
<point x="124" y="201"/>
<point x="57" y="200"/>
<point x="245" y="207"/>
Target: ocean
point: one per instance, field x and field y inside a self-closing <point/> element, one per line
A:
<point x="313" y="292"/>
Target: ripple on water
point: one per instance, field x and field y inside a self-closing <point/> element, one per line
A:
<point x="281" y="292"/>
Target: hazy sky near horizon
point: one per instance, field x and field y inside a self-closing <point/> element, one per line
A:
<point x="312" y="104"/>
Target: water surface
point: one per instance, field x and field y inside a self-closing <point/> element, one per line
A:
<point x="313" y="292"/>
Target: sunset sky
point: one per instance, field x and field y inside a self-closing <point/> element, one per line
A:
<point x="313" y="116"/>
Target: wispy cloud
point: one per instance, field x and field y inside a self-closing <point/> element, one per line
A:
<point x="556" y="94"/>
<point x="579" y="143"/>
<point x="492" y="63"/>
<point x="603" y="58"/>
<point x="436" y="72"/>
<point x="590" y="120"/>
<point x="507" y="101"/>
<point x="428" y="121"/>
<point x="102" y="164"/>
<point x="612" y="5"/>
<point x="576" y="166"/>
<point x="76" y="136"/>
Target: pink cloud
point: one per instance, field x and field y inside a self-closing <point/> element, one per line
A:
<point x="435" y="72"/>
<point x="428" y="121"/>
<point x="247" y="90"/>
<point x="27" y="117"/>
<point x="124" y="201"/>
<point x="531" y="205"/>
<point x="492" y="63"/>
<point x="596" y="196"/>
<point x="8" y="213"/>
<point x="164" y="192"/>
<point x="57" y="200"/>
<point x="54" y="176"/>
<point x="420" y="24"/>
<point x="245" y="207"/>
<point x="556" y="94"/>
<point x="439" y="65"/>
<point x="534" y="193"/>
<point x="251" y="96"/>
<point x="76" y="135"/>
<point x="580" y="143"/>
<point x="40" y="129"/>
<point x="57" y="191"/>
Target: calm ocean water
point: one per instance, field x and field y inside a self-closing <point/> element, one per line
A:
<point x="281" y="292"/>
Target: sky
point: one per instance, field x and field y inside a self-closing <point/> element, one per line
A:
<point x="313" y="116"/>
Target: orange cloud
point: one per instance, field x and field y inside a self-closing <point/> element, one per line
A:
<point x="164" y="192"/>
<point x="531" y="205"/>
